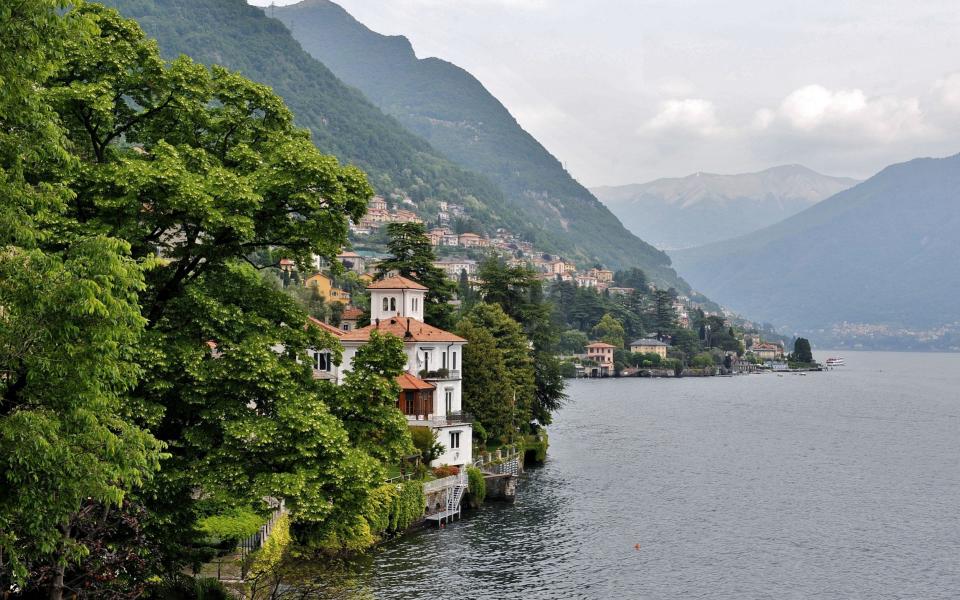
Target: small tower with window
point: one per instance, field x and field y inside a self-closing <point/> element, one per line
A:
<point x="396" y="297"/>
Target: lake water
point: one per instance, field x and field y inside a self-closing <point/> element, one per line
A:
<point x="844" y="484"/>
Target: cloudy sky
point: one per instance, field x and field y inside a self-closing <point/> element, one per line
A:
<point x="625" y="91"/>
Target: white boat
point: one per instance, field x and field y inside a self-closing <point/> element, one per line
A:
<point x="835" y="362"/>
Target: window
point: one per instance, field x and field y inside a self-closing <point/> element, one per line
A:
<point x="393" y="305"/>
<point x="454" y="440"/>
<point x="443" y="360"/>
<point x="345" y="326"/>
<point x="410" y="403"/>
<point x="321" y="361"/>
<point x="448" y="398"/>
<point x="416" y="304"/>
<point x="386" y="305"/>
<point x="454" y="365"/>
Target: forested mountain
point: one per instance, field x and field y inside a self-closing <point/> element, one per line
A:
<point x="343" y="122"/>
<point x="883" y="252"/>
<point x="453" y="111"/>
<point x="703" y="208"/>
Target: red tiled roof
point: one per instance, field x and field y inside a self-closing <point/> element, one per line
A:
<point x="600" y="345"/>
<point x="395" y="283"/>
<point x="352" y="313"/>
<point x="328" y="328"/>
<point x="409" y="382"/>
<point x="400" y="326"/>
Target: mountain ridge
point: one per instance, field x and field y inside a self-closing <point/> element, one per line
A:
<point x="882" y="252"/>
<point x="702" y="208"/>
<point x="456" y="114"/>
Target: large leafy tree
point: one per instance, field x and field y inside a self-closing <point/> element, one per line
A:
<point x="609" y="330"/>
<point x="69" y="321"/>
<point x="195" y="172"/>
<point x="412" y="256"/>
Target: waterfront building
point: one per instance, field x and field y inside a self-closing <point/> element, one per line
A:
<point x="434" y="362"/>
<point x="767" y="351"/>
<point x="649" y="346"/>
<point x="600" y="353"/>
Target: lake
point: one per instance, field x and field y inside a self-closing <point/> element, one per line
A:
<point x="843" y="484"/>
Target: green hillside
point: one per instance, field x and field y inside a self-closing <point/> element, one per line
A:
<point x="458" y="116"/>
<point x="343" y="122"/>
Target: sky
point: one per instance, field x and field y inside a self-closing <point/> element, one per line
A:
<point x="626" y="91"/>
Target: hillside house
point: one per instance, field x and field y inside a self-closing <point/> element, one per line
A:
<point x="434" y="357"/>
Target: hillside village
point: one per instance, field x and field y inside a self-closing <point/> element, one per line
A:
<point x="346" y="291"/>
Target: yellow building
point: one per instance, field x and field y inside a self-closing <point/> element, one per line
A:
<point x="324" y="284"/>
<point x="649" y="346"/>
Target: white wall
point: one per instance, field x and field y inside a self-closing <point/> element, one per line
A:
<point x="460" y="456"/>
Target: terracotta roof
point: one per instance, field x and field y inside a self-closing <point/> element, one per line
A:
<point x="600" y="345"/>
<point x="395" y="283"/>
<point x="328" y="328"/>
<point x="400" y="326"/>
<point x="352" y="313"/>
<point x="409" y="382"/>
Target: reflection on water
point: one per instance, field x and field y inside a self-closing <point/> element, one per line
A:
<point x="836" y="485"/>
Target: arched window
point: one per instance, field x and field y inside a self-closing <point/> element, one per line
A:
<point x="386" y="305"/>
<point x="393" y="304"/>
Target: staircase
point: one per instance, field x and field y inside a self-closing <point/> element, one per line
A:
<point x="455" y="494"/>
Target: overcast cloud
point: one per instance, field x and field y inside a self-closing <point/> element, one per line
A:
<point x="625" y="91"/>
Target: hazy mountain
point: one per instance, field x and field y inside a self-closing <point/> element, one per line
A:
<point x="704" y="207"/>
<point x="453" y="111"/>
<point x="886" y="251"/>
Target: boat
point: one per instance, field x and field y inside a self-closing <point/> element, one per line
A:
<point x="835" y="362"/>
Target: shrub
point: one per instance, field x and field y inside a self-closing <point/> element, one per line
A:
<point x="425" y="440"/>
<point x="234" y="525"/>
<point x="476" y="484"/>
<point x="445" y="471"/>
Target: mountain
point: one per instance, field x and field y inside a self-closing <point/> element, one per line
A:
<point x="453" y="111"/>
<point x="883" y="254"/>
<point x="342" y="121"/>
<point x="703" y="208"/>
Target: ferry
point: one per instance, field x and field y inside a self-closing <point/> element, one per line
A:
<point x="835" y="362"/>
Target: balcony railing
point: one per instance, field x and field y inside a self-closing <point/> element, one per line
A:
<point x="455" y="418"/>
<point x="440" y="375"/>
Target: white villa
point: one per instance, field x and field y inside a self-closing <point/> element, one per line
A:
<point x="431" y="391"/>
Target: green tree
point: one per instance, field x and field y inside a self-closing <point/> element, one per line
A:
<point x="573" y="341"/>
<point x="487" y="392"/>
<point x="664" y="315"/>
<point x="609" y="330"/>
<point x="412" y="256"/>
<point x="367" y="401"/>
<point x="67" y="436"/>
<point x="204" y="169"/>
<point x="69" y="321"/>
<point x="802" y="351"/>
<point x="515" y="349"/>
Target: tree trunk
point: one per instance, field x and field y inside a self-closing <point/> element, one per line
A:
<point x="56" y="587"/>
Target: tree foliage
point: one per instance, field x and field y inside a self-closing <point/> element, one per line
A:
<point x="131" y="310"/>
<point x="412" y="256"/>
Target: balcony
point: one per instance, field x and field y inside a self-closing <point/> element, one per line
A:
<point x="457" y="418"/>
<point x="440" y="375"/>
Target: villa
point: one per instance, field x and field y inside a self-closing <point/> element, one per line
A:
<point x="649" y="346"/>
<point x="602" y="354"/>
<point x="431" y="389"/>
